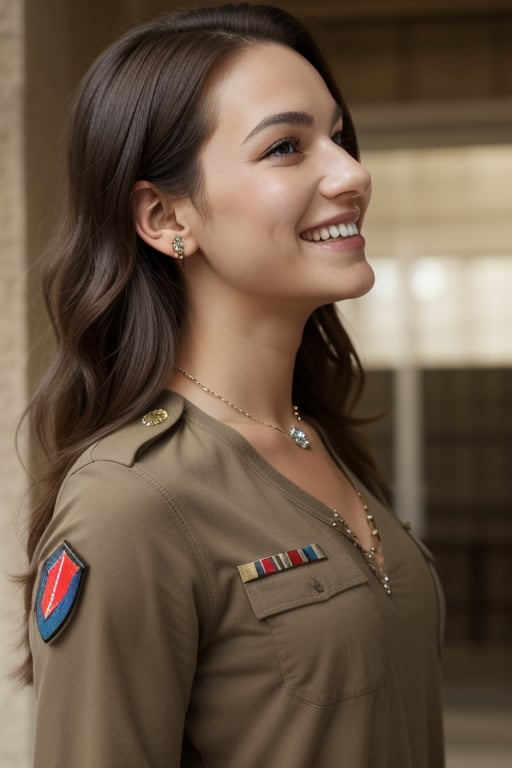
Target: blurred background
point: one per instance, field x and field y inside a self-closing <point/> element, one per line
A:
<point x="429" y="83"/>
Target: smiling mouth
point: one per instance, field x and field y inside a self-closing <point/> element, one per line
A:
<point x="332" y="232"/>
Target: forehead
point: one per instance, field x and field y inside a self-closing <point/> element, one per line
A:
<point x="263" y="80"/>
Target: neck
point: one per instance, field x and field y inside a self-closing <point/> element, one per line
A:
<point x="250" y="363"/>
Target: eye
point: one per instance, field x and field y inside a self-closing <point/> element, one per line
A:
<point x="283" y="148"/>
<point x="338" y="138"/>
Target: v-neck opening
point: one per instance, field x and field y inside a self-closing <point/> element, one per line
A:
<point x="250" y="454"/>
<point x="283" y="484"/>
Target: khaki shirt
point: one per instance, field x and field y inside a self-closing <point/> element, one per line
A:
<point x="170" y="659"/>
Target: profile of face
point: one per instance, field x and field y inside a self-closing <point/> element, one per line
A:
<point x="285" y="201"/>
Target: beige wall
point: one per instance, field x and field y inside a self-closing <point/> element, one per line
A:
<point x="14" y="706"/>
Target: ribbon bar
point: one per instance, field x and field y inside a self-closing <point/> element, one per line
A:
<point x="283" y="561"/>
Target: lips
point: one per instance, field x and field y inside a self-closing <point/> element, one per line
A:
<point x="331" y="232"/>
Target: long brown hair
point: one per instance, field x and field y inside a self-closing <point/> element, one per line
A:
<point x="116" y="305"/>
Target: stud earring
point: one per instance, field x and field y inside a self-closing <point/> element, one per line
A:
<point x="178" y="247"/>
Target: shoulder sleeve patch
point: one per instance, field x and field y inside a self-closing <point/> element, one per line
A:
<point x="59" y="585"/>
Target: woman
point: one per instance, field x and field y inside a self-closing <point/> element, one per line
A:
<point x="216" y="579"/>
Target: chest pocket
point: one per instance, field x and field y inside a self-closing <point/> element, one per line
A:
<point x="327" y="630"/>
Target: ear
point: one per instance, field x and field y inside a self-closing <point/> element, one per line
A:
<point x="159" y="219"/>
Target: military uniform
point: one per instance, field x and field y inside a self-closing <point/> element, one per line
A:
<point x="194" y="637"/>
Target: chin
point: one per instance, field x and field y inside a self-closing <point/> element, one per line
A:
<point x="357" y="284"/>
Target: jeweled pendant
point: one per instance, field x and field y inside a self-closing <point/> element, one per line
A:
<point x="299" y="437"/>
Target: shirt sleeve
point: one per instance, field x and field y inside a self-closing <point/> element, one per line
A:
<point x="112" y="686"/>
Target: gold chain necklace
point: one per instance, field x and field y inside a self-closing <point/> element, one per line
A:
<point x="298" y="435"/>
<point x="368" y="554"/>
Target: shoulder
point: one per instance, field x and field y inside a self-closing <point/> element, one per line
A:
<point x="113" y="479"/>
<point x="128" y="444"/>
<point x="130" y="477"/>
<point x="115" y="494"/>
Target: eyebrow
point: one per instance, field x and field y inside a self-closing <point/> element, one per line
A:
<point x="302" y="119"/>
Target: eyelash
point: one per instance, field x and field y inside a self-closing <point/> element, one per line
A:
<point x="273" y="150"/>
<point x="293" y="141"/>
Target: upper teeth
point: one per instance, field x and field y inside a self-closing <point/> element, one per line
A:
<point x="332" y="232"/>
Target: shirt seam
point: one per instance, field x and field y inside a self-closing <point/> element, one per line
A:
<point x="197" y="546"/>
<point x="192" y="541"/>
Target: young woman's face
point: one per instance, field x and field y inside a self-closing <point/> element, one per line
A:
<point x="285" y="201"/>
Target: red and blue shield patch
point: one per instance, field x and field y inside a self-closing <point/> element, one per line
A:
<point x="59" y="585"/>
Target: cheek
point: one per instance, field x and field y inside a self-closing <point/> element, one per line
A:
<point x="285" y="197"/>
<point x="266" y="203"/>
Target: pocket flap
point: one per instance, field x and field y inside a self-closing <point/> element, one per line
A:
<point x="302" y="586"/>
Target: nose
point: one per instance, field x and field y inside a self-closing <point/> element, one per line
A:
<point x="344" y="175"/>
